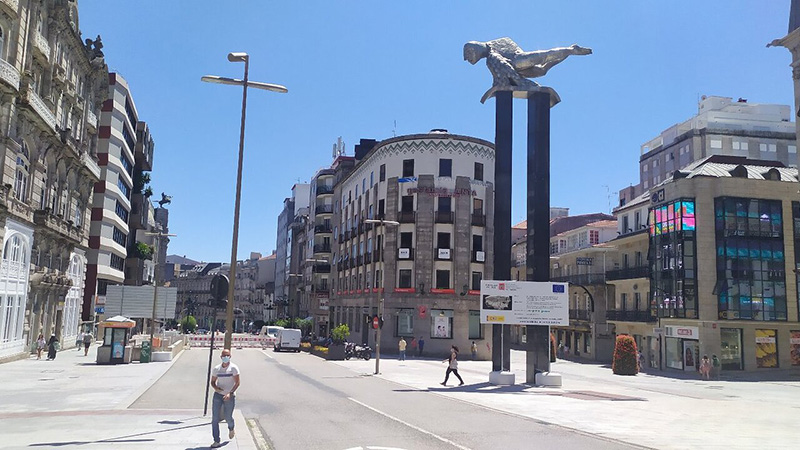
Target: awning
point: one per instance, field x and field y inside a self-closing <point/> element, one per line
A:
<point x="118" y="322"/>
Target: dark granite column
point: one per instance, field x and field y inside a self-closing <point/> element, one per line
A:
<point x="501" y="335"/>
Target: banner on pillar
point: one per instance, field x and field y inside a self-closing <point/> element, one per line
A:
<point x="524" y="303"/>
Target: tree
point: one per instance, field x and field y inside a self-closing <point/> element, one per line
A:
<point x="340" y="333"/>
<point x="284" y="323"/>
<point x="625" y="356"/>
<point x="189" y="324"/>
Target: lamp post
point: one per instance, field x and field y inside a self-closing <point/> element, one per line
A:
<point x="380" y="297"/>
<point x="245" y="83"/>
<point x="158" y="235"/>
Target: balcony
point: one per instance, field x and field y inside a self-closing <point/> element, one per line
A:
<point x="90" y="165"/>
<point x="580" y="314"/>
<point x="323" y="209"/>
<point x="40" y="44"/>
<point x="37" y="104"/>
<point x="58" y="225"/>
<point x="407" y="217"/>
<point x="91" y="120"/>
<point x="143" y="149"/>
<point x="478" y="257"/>
<point x="583" y="279"/>
<point x="323" y="189"/>
<point x="323" y="229"/>
<point x="443" y="216"/>
<point x="322" y="268"/>
<point x="628" y="273"/>
<point x="442" y="254"/>
<point x="322" y="248"/>
<point x="630" y="316"/>
<point x="478" y="220"/>
<point x="405" y="254"/>
<point x="320" y="287"/>
<point x="9" y="74"/>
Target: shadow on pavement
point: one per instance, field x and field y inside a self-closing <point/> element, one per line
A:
<point x="485" y="387"/>
<point x="120" y="439"/>
<point x="207" y="447"/>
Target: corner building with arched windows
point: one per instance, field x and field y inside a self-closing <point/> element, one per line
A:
<point x="439" y="188"/>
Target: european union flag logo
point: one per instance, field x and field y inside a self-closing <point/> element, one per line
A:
<point x="558" y="288"/>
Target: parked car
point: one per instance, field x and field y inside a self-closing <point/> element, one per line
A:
<point x="288" y="339"/>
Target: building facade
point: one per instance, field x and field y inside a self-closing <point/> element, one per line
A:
<point x="139" y="264"/>
<point x="51" y="85"/>
<point x="439" y="188"/>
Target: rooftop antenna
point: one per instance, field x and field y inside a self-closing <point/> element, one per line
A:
<point x="338" y="148"/>
<point x="394" y="130"/>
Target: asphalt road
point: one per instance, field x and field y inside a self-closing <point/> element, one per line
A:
<point x="302" y="402"/>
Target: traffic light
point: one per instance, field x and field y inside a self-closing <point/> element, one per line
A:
<point x="219" y="291"/>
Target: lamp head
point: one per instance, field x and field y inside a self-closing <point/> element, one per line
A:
<point x="237" y="56"/>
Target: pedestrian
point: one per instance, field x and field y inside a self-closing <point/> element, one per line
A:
<point x="640" y="361"/>
<point x="225" y="381"/>
<point x="87" y="342"/>
<point x="40" y="344"/>
<point x="413" y="346"/>
<point x="421" y="343"/>
<point x="79" y="340"/>
<point x="474" y="350"/>
<point x="716" y="367"/>
<point x="452" y="366"/>
<point x="560" y="350"/>
<point x="51" y="347"/>
<point x="402" y="347"/>
<point x="705" y="367"/>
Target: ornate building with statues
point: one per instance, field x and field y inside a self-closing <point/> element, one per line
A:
<point x="52" y="85"/>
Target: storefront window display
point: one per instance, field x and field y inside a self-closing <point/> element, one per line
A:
<point x="673" y="259"/>
<point x="441" y="323"/>
<point x="405" y="322"/>
<point x="751" y="282"/>
<point x="731" y="349"/>
<point x="674" y="350"/>
<point x="766" y="349"/>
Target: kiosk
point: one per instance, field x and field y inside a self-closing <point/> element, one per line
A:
<point x="115" y="348"/>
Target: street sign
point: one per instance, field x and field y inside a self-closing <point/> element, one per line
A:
<point x="100" y="309"/>
<point x="584" y="261"/>
<point x="375" y="322"/>
<point x="524" y="303"/>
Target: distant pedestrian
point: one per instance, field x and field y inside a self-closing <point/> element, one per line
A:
<point x="402" y="347"/>
<point x="560" y="350"/>
<point x="716" y="367"/>
<point x="79" y="340"/>
<point x="421" y="345"/>
<point x="87" y="342"/>
<point x="640" y="361"/>
<point x="452" y="366"/>
<point x="52" y="347"/>
<point x="225" y="381"/>
<point x="413" y="346"/>
<point x="705" y="367"/>
<point x="474" y="350"/>
<point x="40" y="345"/>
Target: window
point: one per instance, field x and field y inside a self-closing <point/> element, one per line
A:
<point x="477" y="243"/>
<point x="382" y="207"/>
<point x="128" y="138"/>
<point x="475" y="328"/>
<point x="404" y="280"/>
<point x="117" y="262"/>
<point x="405" y="322"/>
<point x="78" y="219"/>
<point x="441" y="324"/>
<point x="637" y="221"/>
<point x="594" y="237"/>
<point x="126" y="191"/>
<point x="442" y="240"/>
<point x="478" y="171"/>
<point x="406" y="239"/>
<point x="408" y="168"/>
<point x="792" y="149"/>
<point x="382" y="173"/>
<point x="126" y="164"/>
<point x="122" y="213"/>
<point x="442" y="279"/>
<point x="476" y="280"/>
<point x="407" y="203"/>
<point x="445" y="167"/>
<point x="716" y="143"/>
<point x="21" y="185"/>
<point x="477" y="206"/>
<point x="372" y="179"/>
<point x="119" y="237"/>
<point x="645" y="168"/>
<point x="2" y="43"/>
<point x="445" y="204"/>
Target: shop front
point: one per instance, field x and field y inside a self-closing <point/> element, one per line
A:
<point x="682" y="348"/>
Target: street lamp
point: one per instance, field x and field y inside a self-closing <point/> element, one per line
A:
<point x="158" y="235"/>
<point x="245" y="58"/>
<point x="380" y="297"/>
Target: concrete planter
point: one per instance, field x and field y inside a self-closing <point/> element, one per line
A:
<point x="336" y="352"/>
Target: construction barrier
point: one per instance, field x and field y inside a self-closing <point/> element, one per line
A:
<point x="237" y="341"/>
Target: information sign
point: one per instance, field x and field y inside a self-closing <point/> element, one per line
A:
<point x="524" y="303"/>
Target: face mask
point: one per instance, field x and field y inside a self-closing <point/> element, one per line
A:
<point x="226" y="359"/>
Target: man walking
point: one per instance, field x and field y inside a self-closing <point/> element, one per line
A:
<point x="421" y="344"/>
<point x="225" y="381"/>
<point x="402" y="347"/>
<point x="87" y="342"/>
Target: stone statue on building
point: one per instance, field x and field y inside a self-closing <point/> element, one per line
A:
<point x="95" y="47"/>
<point x="511" y="66"/>
<point x="165" y="200"/>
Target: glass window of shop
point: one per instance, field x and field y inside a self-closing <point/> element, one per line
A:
<point x="674" y="261"/>
<point x="475" y="328"/>
<point x="405" y="322"/>
<point x="751" y="282"/>
<point x="441" y="324"/>
<point x="767" y="349"/>
<point x="731" y="355"/>
<point x="674" y="351"/>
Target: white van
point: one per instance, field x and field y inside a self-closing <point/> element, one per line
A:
<point x="270" y="331"/>
<point x="288" y="339"/>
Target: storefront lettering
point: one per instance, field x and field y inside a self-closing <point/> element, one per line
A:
<point x="442" y="192"/>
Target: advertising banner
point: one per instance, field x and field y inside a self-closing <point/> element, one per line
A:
<point x="766" y="349"/>
<point x="524" y="303"/>
<point x="794" y="347"/>
<point x="442" y="327"/>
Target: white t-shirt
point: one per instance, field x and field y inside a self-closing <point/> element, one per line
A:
<point x="224" y="376"/>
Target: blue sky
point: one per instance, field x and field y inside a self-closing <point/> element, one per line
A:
<point x="355" y="68"/>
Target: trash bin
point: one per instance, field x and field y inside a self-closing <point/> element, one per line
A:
<point x="145" y="355"/>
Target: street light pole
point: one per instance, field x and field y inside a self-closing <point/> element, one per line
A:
<point x="245" y="58"/>
<point x="380" y="297"/>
